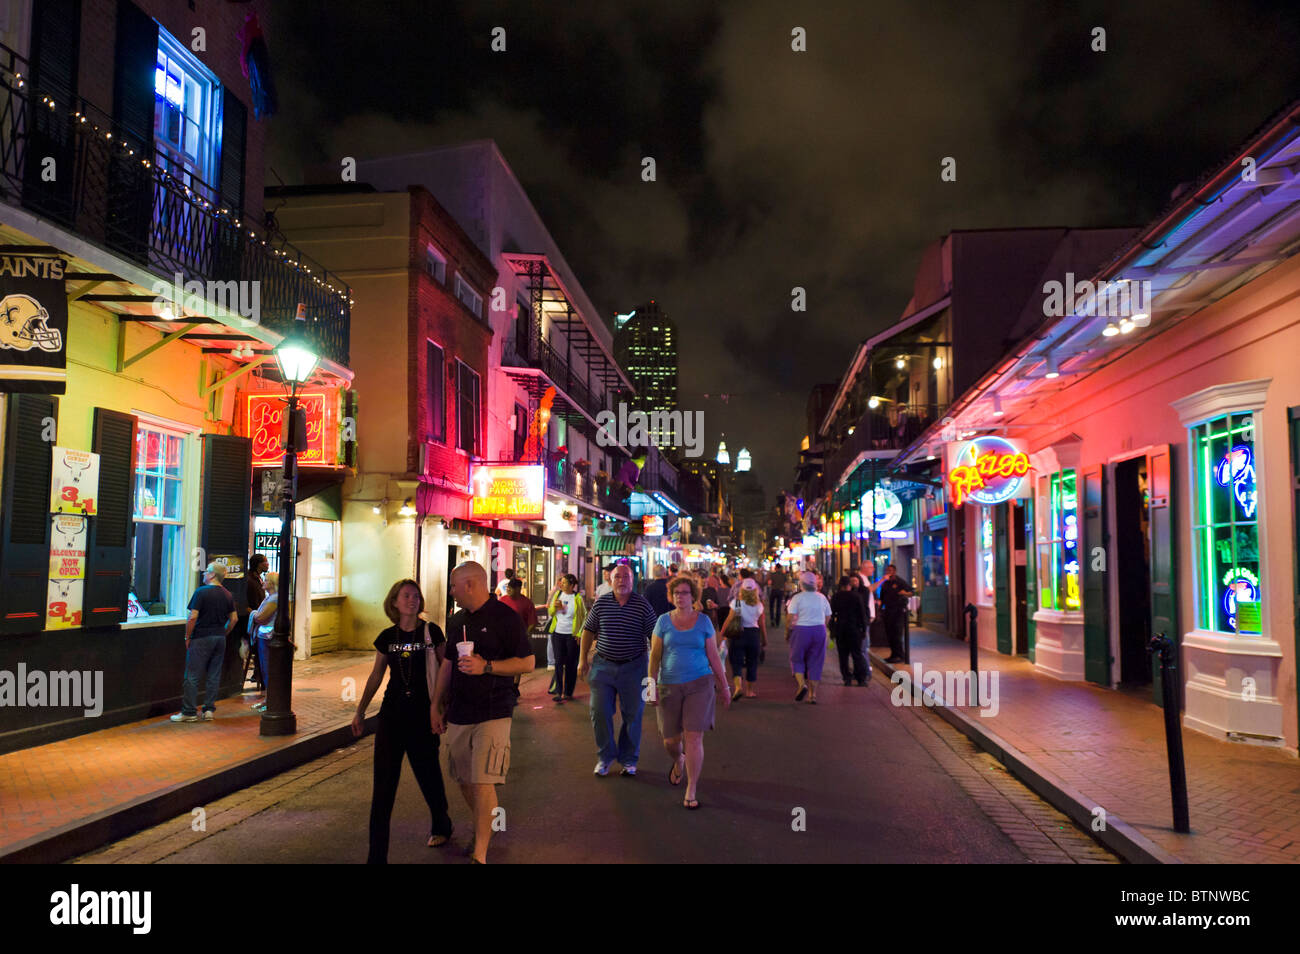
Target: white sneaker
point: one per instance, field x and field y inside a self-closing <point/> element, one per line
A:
<point x="182" y="717"/>
<point x="629" y="770"/>
<point x="602" y="768"/>
<point x="208" y="715"/>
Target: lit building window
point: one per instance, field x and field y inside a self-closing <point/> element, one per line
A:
<point x="1058" y="542"/>
<point x="1225" y="526"/>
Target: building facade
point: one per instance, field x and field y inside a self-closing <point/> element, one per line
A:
<point x="142" y="304"/>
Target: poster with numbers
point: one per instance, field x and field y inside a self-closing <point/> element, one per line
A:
<point x="75" y="484"/>
<point x="63" y="604"/>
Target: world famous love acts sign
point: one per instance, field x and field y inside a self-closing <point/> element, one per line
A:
<point x="511" y="492"/>
<point x="987" y="470"/>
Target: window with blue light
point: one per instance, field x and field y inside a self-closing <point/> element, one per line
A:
<point x="187" y="116"/>
<point x="1225" y="526"/>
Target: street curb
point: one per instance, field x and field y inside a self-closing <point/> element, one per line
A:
<point x="94" y="831"/>
<point x="1119" y="836"/>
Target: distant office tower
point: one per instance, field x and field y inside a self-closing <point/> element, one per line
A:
<point x="645" y="344"/>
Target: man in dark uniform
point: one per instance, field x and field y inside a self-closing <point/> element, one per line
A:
<point x="893" y="592"/>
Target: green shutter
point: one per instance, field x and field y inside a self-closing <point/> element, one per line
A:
<point x="227" y="490"/>
<point x="1096" y="629"/>
<point x="56" y="48"/>
<point x="1164" y="565"/>
<point x="1001" y="577"/>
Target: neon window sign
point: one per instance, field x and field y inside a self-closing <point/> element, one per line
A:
<point x="1237" y="468"/>
<point x="1240" y="586"/>
<point x="986" y="546"/>
<point x="988" y="470"/>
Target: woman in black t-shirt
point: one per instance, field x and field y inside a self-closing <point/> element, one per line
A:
<point x="405" y="717"/>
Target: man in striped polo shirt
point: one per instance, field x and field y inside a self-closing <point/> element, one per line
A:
<point x="621" y="624"/>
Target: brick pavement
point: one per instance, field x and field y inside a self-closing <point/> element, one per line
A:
<point x="1244" y="800"/>
<point x="45" y="787"/>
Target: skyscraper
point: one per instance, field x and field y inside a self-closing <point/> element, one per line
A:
<point x="645" y="344"/>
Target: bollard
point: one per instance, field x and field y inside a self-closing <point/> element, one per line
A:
<point x="972" y="612"/>
<point x="1173" y="730"/>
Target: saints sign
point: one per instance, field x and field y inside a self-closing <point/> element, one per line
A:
<point x="33" y="324"/>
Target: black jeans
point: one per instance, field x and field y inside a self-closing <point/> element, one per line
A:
<point x="849" y="644"/>
<point x="566" y="663"/>
<point x="775" y="600"/>
<point x="743" y="649"/>
<point x="894" y="622"/>
<point x="405" y="734"/>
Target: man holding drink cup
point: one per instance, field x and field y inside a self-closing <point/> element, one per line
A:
<point x="492" y="647"/>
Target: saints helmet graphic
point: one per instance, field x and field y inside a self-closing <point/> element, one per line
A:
<point x="24" y="325"/>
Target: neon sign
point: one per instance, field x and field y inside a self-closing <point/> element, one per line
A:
<point x="881" y="509"/>
<point x="1237" y="467"/>
<point x="515" y="492"/>
<point x="987" y="470"/>
<point x="264" y="424"/>
<point x="1240" y="586"/>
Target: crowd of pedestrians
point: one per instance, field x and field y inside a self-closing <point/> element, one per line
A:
<point x="668" y="646"/>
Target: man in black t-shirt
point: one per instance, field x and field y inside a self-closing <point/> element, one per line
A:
<point x="656" y="591"/>
<point x="893" y="591"/>
<point x="477" y="690"/>
<point x="212" y="616"/>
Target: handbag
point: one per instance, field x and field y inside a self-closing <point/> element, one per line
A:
<point x="733" y="625"/>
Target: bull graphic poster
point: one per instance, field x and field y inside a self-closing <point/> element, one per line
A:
<point x="63" y="604"/>
<point x="68" y="547"/>
<point x="33" y="324"/>
<point x="74" y="486"/>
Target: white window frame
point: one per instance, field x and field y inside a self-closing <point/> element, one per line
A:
<point x="301" y="530"/>
<point x="179" y="591"/>
<point x="208" y="169"/>
<point x="439" y="273"/>
<point x="475" y="304"/>
<point x="1244" y="397"/>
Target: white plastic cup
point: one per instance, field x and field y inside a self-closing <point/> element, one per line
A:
<point x="465" y="648"/>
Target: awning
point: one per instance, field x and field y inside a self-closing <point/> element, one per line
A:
<point x="514" y="536"/>
<point x="619" y="543"/>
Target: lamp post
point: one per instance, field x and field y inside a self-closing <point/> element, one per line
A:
<point x="297" y="361"/>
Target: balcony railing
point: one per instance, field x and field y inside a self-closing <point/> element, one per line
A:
<point x="880" y="429"/>
<point x="538" y="353"/>
<point x="122" y="194"/>
<point x="561" y="476"/>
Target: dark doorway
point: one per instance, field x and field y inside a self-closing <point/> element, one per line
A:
<point x="453" y="557"/>
<point x="1132" y="567"/>
<point x="1018" y="560"/>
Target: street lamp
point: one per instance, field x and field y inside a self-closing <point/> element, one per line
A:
<point x="297" y="360"/>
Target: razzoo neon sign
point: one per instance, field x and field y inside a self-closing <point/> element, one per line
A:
<point x="987" y="470"/>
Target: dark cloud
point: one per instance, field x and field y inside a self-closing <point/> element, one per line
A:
<point x="779" y="169"/>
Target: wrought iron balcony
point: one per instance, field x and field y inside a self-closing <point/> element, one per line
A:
<point x="589" y="487"/>
<point x="879" y="429"/>
<point x="125" y="196"/>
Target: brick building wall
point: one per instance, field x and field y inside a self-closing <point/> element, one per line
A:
<point x="435" y="313"/>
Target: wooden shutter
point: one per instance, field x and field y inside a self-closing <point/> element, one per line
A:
<point x="1096" y="617"/>
<point x="1164" y="565"/>
<point x="25" y="513"/>
<point x="227" y="482"/>
<point x="1001" y="577"/>
<point x="130" y="184"/>
<point x="112" y="530"/>
<point x="56" y="48"/>
<point x="234" y="131"/>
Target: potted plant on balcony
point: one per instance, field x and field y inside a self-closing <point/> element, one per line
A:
<point x="582" y="466"/>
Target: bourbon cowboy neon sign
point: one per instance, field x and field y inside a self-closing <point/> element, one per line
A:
<point x="987" y="470"/>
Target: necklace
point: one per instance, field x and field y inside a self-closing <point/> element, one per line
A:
<point x="404" y="664"/>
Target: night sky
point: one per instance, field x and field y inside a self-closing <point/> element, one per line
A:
<point x="779" y="169"/>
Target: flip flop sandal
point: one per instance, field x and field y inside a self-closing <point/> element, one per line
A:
<point x="691" y="804"/>
<point x="437" y="841"/>
<point x="680" y="768"/>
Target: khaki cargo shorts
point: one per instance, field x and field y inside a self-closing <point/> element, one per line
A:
<point x="478" y="754"/>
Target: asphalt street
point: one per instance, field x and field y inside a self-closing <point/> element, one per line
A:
<point x="852" y="779"/>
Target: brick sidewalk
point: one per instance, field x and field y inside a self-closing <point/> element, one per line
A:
<point x="52" y="785"/>
<point x="1244" y="800"/>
